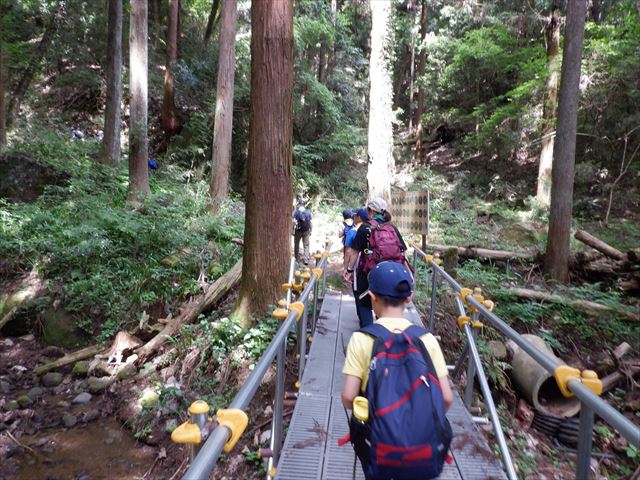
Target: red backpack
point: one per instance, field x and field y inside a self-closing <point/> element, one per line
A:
<point x="384" y="244"/>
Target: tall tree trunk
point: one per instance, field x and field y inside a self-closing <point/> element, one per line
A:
<point x="552" y="35"/>
<point x="211" y="21"/>
<point x="170" y="121"/>
<point x="3" y="130"/>
<point x="269" y="188"/>
<point x="420" y="75"/>
<point x="380" y="136"/>
<point x="110" y="151"/>
<point x="138" y="71"/>
<point x="412" y="70"/>
<point x="331" y="55"/>
<point x="223" y="123"/>
<point x="556" y="263"/>
<point x="16" y="99"/>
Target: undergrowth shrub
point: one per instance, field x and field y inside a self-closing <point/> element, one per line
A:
<point x="106" y="261"/>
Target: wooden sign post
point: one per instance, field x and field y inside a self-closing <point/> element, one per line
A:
<point x="410" y="212"/>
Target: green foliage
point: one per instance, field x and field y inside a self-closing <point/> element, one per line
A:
<point x="108" y="260"/>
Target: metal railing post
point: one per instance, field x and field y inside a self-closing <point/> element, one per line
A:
<point x="302" y="345"/>
<point x="314" y="318"/>
<point x="585" y="440"/>
<point x="471" y="368"/>
<point x="277" y="427"/>
<point x="474" y="358"/>
<point x="432" y="309"/>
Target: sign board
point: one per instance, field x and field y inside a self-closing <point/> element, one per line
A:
<point x="410" y="212"/>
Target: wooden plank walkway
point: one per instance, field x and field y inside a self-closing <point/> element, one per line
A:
<point x="319" y="419"/>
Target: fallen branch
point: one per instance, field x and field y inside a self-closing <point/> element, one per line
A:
<point x="473" y="252"/>
<point x="612" y="379"/>
<point x="599" y="245"/>
<point x="192" y="309"/>
<point x="69" y="358"/>
<point x="8" y="317"/>
<point x="584" y="305"/>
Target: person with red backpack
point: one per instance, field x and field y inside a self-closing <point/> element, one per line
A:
<point x="376" y="240"/>
<point x="396" y="382"/>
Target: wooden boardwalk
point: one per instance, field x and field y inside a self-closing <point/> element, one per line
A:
<point x="319" y="419"/>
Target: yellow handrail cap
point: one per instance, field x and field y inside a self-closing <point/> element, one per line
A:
<point x="199" y="406"/>
<point x="280" y="313"/>
<point x="187" y="433"/>
<point x="236" y="421"/>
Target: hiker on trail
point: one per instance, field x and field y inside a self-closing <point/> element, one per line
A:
<point x="347" y="226"/>
<point x="396" y="434"/>
<point x="347" y="223"/>
<point x="350" y="255"/>
<point x="302" y="231"/>
<point x="375" y="241"/>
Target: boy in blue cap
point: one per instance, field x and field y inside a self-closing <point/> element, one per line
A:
<point x="390" y="288"/>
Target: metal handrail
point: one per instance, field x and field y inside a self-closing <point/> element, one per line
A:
<point x="590" y="402"/>
<point x="207" y="457"/>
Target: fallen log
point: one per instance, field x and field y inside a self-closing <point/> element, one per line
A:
<point x="191" y="310"/>
<point x="599" y="245"/>
<point x="584" y="305"/>
<point x="474" y="252"/>
<point x="8" y="317"/>
<point x="69" y="358"/>
<point x="612" y="379"/>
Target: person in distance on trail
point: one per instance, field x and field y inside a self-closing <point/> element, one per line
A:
<point x="302" y="231"/>
<point x="350" y="255"/>
<point x="347" y="223"/>
<point x="375" y="241"/>
<point x="403" y="434"/>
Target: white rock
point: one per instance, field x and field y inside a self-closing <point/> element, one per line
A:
<point x="265" y="436"/>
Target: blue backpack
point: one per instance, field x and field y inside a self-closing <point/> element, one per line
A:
<point x="408" y="433"/>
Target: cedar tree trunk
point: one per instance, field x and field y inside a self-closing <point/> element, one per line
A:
<point x="3" y="130"/>
<point x="138" y="141"/>
<point x="556" y="263"/>
<point x="110" y="152"/>
<point x="211" y="22"/>
<point x="380" y="136"/>
<point x="552" y="34"/>
<point x="267" y="234"/>
<point x="170" y="121"/>
<point x="222" y="127"/>
<point x="420" y="77"/>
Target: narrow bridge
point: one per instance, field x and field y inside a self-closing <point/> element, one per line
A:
<point x="310" y="448"/>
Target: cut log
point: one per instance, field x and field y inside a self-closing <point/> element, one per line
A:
<point x="584" y="305"/>
<point x="69" y="358"/>
<point x="192" y="309"/>
<point x="612" y="379"/>
<point x="474" y="252"/>
<point x="599" y="245"/>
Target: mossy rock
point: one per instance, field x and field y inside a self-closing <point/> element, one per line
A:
<point x="60" y="329"/>
<point x="81" y="368"/>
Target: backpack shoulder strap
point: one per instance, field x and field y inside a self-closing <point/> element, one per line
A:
<point x="414" y="332"/>
<point x="376" y="330"/>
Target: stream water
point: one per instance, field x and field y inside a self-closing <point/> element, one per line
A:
<point x="98" y="450"/>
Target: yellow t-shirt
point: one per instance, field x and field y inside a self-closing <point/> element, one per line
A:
<point x="360" y="346"/>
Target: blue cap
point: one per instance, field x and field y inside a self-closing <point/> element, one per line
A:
<point x="362" y="213"/>
<point x="390" y="279"/>
<point x="347" y="213"/>
<point x="301" y="202"/>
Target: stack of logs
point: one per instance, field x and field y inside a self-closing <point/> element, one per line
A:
<point x="605" y="259"/>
